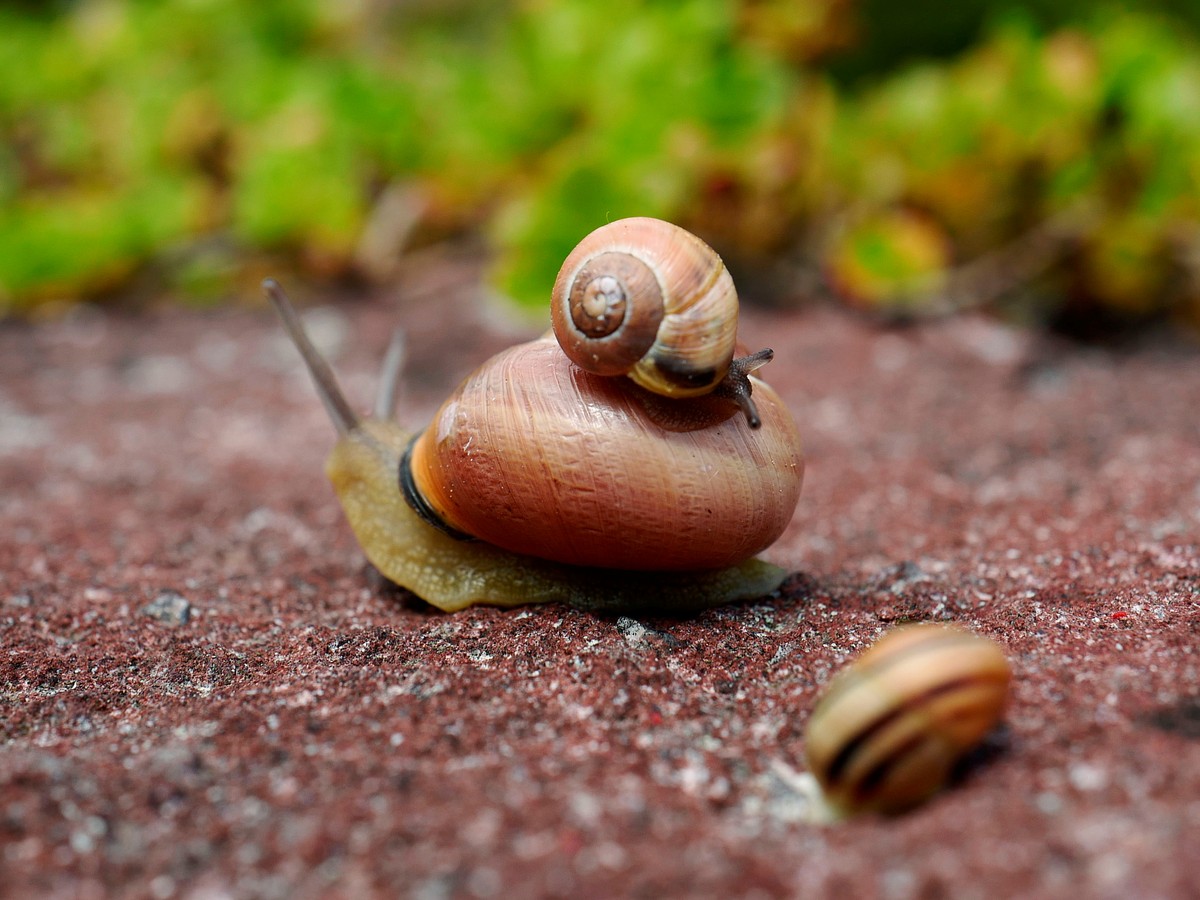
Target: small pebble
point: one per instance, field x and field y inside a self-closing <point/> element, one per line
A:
<point x="1087" y="777"/>
<point x="170" y="608"/>
<point x="1048" y="803"/>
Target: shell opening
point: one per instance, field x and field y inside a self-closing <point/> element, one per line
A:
<point x="416" y="500"/>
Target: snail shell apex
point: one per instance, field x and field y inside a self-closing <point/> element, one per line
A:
<point x="890" y="727"/>
<point x="649" y="299"/>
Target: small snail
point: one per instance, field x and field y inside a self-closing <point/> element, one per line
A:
<point x="889" y="729"/>
<point x="645" y="298"/>
<point x="538" y="480"/>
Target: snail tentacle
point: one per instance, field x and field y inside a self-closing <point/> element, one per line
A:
<point x="736" y="387"/>
<point x="390" y="376"/>
<point x="344" y="418"/>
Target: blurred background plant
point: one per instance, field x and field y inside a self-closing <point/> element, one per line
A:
<point x="1037" y="158"/>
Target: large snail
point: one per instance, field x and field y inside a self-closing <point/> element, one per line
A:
<point x="539" y="480"/>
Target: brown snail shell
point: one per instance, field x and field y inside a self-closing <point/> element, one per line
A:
<point x="649" y="299"/>
<point x="889" y="729"/>
<point x="539" y="457"/>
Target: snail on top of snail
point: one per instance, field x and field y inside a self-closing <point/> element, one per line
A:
<point x="635" y="463"/>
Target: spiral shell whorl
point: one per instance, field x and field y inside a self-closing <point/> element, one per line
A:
<point x="644" y="297"/>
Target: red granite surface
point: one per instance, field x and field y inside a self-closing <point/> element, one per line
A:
<point x="203" y="693"/>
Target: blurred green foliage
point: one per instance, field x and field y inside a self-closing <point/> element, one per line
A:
<point x="195" y="138"/>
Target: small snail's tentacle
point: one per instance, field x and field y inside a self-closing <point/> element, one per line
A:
<point x="390" y="376"/>
<point x="736" y="385"/>
<point x="344" y="418"/>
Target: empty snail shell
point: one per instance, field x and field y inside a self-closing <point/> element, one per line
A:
<point x="539" y="481"/>
<point x="889" y="729"/>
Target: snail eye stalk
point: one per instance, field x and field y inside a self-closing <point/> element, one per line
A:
<point x="736" y="386"/>
<point x="343" y="416"/>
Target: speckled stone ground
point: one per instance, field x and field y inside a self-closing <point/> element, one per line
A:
<point x="203" y="694"/>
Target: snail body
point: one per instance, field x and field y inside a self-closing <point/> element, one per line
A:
<point x="538" y="480"/>
<point x="890" y="728"/>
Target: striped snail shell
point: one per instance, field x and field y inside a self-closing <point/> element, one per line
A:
<point x="889" y="729"/>
<point x="648" y="299"/>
